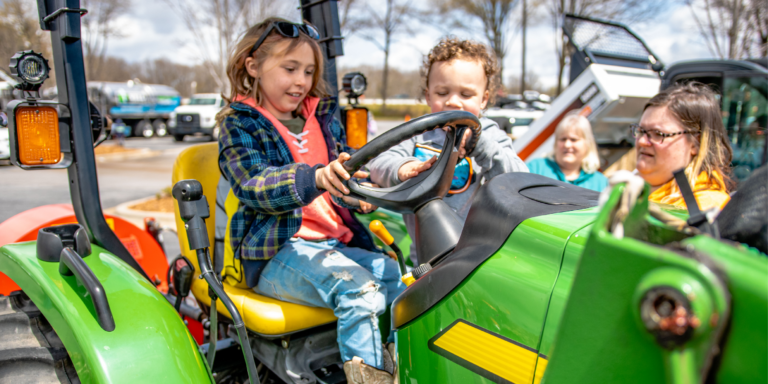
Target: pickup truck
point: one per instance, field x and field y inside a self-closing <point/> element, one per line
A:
<point x="198" y="117"/>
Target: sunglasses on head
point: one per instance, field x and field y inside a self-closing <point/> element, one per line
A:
<point x="286" y="29"/>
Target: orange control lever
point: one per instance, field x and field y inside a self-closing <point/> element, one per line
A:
<point x="381" y="232"/>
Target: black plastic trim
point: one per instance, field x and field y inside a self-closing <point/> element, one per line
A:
<point x="497" y="209"/>
<point x="71" y="263"/>
<point x="52" y="240"/>
<point x="709" y="68"/>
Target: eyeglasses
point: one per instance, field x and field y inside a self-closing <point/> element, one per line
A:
<point x="286" y="29"/>
<point x="654" y="135"/>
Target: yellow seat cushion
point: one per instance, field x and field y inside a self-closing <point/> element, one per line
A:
<point x="264" y="315"/>
<point x="261" y="314"/>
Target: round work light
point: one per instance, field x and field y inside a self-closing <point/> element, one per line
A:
<point x="30" y="68"/>
<point x="354" y="84"/>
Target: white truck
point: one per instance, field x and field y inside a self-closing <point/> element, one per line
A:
<point x="6" y="86"/>
<point x="198" y="117"/>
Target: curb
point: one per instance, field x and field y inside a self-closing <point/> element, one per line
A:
<point x="142" y="153"/>
<point x="136" y="217"/>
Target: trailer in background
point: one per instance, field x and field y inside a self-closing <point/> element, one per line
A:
<point x="145" y="108"/>
<point x="614" y="74"/>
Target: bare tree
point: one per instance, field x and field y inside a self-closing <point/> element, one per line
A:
<point x="98" y="27"/>
<point x="724" y="25"/>
<point x="382" y="31"/>
<point x="625" y="11"/>
<point x="20" y="30"/>
<point x="493" y="15"/>
<point x="351" y="16"/>
<point x="216" y="25"/>
<point x="524" y="29"/>
<point x="759" y="20"/>
<point x="532" y="81"/>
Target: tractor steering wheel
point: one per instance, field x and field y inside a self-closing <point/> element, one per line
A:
<point x="432" y="184"/>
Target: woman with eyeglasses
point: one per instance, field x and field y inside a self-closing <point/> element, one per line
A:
<point x="575" y="158"/>
<point x="681" y="128"/>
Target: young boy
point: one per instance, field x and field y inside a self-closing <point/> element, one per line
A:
<point x="458" y="75"/>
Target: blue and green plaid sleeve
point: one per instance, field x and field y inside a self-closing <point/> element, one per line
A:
<point x="265" y="188"/>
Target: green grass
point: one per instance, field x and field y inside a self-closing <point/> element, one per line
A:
<point x="397" y="112"/>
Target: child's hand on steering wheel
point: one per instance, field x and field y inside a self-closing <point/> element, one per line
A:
<point x="464" y="140"/>
<point x="329" y="177"/>
<point x="412" y="169"/>
<point x="364" y="206"/>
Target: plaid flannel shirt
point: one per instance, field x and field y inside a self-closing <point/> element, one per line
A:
<point x="271" y="188"/>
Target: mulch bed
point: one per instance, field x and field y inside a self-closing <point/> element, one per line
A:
<point x="163" y="204"/>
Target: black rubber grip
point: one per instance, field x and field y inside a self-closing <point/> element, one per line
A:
<point x="413" y="128"/>
<point x="71" y="263"/>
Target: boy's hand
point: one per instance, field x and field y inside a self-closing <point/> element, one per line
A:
<point x="329" y="177"/>
<point x="414" y="168"/>
<point x="464" y="140"/>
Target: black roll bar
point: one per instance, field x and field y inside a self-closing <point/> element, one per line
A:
<point x="62" y="18"/>
<point x="324" y="15"/>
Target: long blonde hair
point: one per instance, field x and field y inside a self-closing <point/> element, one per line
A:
<point x="242" y="83"/>
<point x="694" y="105"/>
<point x="591" y="162"/>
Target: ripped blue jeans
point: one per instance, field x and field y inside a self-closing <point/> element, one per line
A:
<point x="357" y="284"/>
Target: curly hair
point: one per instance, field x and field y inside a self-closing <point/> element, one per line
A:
<point x="452" y="48"/>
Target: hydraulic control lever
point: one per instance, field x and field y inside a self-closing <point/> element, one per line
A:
<point x="381" y="232"/>
<point x="193" y="209"/>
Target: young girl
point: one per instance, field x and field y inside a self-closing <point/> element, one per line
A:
<point x="458" y="75"/>
<point x="282" y="151"/>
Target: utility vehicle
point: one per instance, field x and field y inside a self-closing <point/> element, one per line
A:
<point x="198" y="117"/>
<point x="539" y="283"/>
<point x="613" y="73"/>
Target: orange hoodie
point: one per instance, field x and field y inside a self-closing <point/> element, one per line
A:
<point x="708" y="193"/>
<point x="319" y="220"/>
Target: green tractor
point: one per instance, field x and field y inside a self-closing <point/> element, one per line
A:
<point x="543" y="281"/>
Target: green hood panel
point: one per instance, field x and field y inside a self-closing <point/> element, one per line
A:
<point x="150" y="342"/>
<point x="508" y="295"/>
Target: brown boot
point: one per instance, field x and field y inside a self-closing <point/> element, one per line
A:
<point x="389" y="352"/>
<point x="360" y="373"/>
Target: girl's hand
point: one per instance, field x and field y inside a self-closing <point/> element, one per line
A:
<point x="414" y="168"/>
<point x="365" y="207"/>
<point x="329" y="177"/>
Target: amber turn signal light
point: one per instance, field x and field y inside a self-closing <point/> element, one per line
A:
<point x="37" y="130"/>
<point x="357" y="127"/>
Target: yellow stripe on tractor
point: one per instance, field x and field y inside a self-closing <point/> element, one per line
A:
<point x="489" y="354"/>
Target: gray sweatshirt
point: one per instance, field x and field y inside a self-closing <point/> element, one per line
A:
<point x="492" y="156"/>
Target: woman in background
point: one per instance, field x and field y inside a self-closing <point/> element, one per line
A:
<point x="681" y="128"/>
<point x="575" y="159"/>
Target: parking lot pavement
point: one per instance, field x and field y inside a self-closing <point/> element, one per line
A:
<point x="119" y="181"/>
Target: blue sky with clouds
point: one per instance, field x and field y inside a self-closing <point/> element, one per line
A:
<point x="152" y="30"/>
